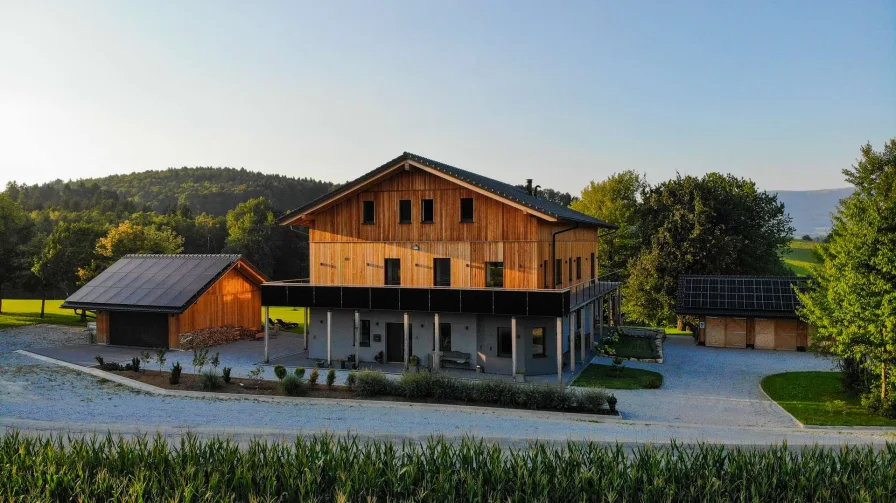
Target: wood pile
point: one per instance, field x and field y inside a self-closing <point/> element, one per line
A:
<point x="208" y="337"/>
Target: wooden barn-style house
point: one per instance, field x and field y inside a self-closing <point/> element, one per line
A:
<point x="421" y="261"/>
<point x="744" y="311"/>
<point x="150" y="300"/>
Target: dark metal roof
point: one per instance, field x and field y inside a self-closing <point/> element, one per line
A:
<point x="772" y="296"/>
<point x="501" y="189"/>
<point x="151" y="283"/>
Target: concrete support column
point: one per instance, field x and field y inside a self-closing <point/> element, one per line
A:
<point x="560" y="351"/>
<point x="572" y="341"/>
<point x="307" y="318"/>
<point x="586" y="313"/>
<point x="437" y="354"/>
<point x="329" y="337"/>
<point x="513" y="344"/>
<point x="357" y="336"/>
<point x="267" y="333"/>
<point x="407" y="341"/>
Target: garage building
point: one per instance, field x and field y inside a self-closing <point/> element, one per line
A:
<point x="744" y="311"/>
<point x="150" y="300"/>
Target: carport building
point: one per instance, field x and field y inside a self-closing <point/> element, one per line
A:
<point x="150" y="300"/>
<point x="744" y="311"/>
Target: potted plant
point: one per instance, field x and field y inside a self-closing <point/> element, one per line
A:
<point x="379" y="357"/>
<point x="351" y="361"/>
<point x="341" y="363"/>
<point x="414" y="360"/>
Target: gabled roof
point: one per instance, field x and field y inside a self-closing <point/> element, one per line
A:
<point x="771" y="296"/>
<point x="501" y="190"/>
<point x="157" y="283"/>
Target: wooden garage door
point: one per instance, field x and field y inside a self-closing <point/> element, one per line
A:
<point x="736" y="333"/>
<point x="765" y="334"/>
<point x="715" y="332"/>
<point x="785" y="335"/>
<point x="147" y="330"/>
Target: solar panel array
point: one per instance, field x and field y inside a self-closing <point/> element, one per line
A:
<point x="165" y="282"/>
<point x="713" y="294"/>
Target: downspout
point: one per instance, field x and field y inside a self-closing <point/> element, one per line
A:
<point x="554" y="252"/>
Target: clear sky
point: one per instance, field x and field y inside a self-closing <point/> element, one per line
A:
<point x="781" y="92"/>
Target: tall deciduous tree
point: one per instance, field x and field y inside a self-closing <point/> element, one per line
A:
<point x="131" y="238"/>
<point x="250" y="232"/>
<point x="615" y="200"/>
<point x="851" y="300"/>
<point x="717" y="224"/>
<point x="15" y="233"/>
<point x="70" y="247"/>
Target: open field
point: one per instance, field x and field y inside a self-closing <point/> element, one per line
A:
<point x="601" y="376"/>
<point x="18" y="312"/>
<point x="801" y="257"/>
<point x="817" y="398"/>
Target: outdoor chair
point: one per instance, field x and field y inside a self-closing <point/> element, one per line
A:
<point x="287" y="324"/>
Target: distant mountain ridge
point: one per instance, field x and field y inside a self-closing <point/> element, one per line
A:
<point x="811" y="209"/>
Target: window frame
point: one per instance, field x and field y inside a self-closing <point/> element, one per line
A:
<point x="544" y="340"/>
<point x="361" y="342"/>
<point x="386" y="269"/>
<point x="488" y="267"/>
<point x="364" y="206"/>
<point x="509" y="334"/>
<point x="578" y="268"/>
<point x="432" y="211"/>
<point x="558" y="271"/>
<point x="436" y="269"/>
<point x="442" y="327"/>
<point x="410" y="210"/>
<point x="472" y="216"/>
<point x="593" y="267"/>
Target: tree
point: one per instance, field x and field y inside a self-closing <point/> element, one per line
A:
<point x="131" y="238"/>
<point x="851" y="299"/>
<point x="69" y="248"/>
<point x="806" y="237"/>
<point x="250" y="232"/>
<point x="717" y="224"/>
<point x="615" y="200"/>
<point x="15" y="232"/>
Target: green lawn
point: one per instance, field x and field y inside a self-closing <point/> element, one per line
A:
<point x="812" y="398"/>
<point x="635" y="347"/>
<point x="288" y="314"/>
<point x="676" y="331"/>
<point x="801" y="257"/>
<point x="600" y="376"/>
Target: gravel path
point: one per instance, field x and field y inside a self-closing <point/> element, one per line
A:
<point x="718" y="386"/>
<point x="39" y="397"/>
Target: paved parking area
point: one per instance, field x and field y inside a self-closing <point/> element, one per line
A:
<point x="717" y="386"/>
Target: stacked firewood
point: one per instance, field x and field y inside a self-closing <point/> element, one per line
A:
<point x="208" y="337"/>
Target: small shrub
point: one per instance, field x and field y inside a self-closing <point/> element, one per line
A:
<point x="293" y="386"/>
<point x="174" y="378"/>
<point x="611" y="401"/>
<point x="145" y="359"/>
<point x="160" y="358"/>
<point x="653" y="382"/>
<point x="280" y="372"/>
<point x="299" y="372"/>
<point x="591" y="400"/>
<point x="416" y="385"/>
<point x="226" y="375"/>
<point x="351" y="379"/>
<point x="544" y="397"/>
<point x="135" y="364"/>
<point x="312" y="378"/>
<point x="99" y="359"/>
<point x="372" y="383"/>
<point x="496" y="392"/>
<point x="215" y="360"/>
<point x="209" y="380"/>
<point x="331" y="378"/>
<point x="881" y="407"/>
<point x="110" y="366"/>
<point x="200" y="359"/>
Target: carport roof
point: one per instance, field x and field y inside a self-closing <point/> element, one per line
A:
<point x="769" y="296"/>
<point x="156" y="283"/>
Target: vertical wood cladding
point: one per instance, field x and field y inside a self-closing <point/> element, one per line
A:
<point x="102" y="327"/>
<point x="232" y="300"/>
<point x="343" y="250"/>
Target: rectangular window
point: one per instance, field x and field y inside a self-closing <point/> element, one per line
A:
<point x="558" y="271"/>
<point x="444" y="337"/>
<point x="578" y="267"/>
<point x="426" y="211"/>
<point x="593" y="267"/>
<point x="369" y="213"/>
<point x="365" y="333"/>
<point x="404" y="211"/>
<point x="441" y="272"/>
<point x="545" y="274"/>
<point x="538" y="343"/>
<point x="505" y="342"/>
<point x="494" y="274"/>
<point x="466" y="209"/>
<point x="393" y="271"/>
<point x="569" y="267"/>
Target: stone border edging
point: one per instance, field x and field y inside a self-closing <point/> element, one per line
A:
<point x="148" y="388"/>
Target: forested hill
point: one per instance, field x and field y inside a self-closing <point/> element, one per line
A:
<point x="203" y="189"/>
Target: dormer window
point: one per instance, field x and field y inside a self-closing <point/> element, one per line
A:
<point x="466" y="209"/>
<point x="369" y="213"/>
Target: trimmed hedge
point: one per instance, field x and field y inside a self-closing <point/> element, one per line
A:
<point x="326" y="469"/>
<point x="438" y="386"/>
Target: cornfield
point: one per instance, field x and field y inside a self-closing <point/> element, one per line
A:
<point x="349" y="469"/>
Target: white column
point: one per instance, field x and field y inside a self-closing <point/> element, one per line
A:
<point x="437" y="354"/>
<point x="407" y="342"/>
<point x="586" y="312"/>
<point x="306" y="317"/>
<point x="513" y="344"/>
<point x="358" y="338"/>
<point x="267" y="332"/>
<point x="572" y="341"/>
<point x="329" y="337"/>
<point x="560" y="351"/>
<point x="600" y="318"/>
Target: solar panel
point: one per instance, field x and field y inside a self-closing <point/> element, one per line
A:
<point x="738" y="294"/>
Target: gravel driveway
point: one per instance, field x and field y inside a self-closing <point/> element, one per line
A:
<point x="718" y="386"/>
<point x="39" y="397"/>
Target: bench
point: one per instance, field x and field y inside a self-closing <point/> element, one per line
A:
<point x="454" y="358"/>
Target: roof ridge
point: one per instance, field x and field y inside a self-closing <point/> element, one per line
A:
<point x="183" y="255"/>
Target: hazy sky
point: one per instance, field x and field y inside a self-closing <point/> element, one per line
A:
<point x="781" y="92"/>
